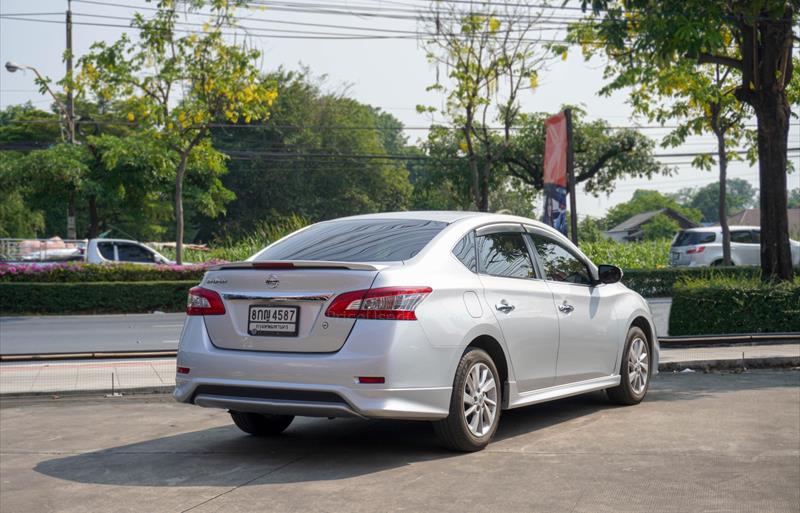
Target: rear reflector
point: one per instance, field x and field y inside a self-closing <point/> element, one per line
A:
<point x="204" y="302"/>
<point x="371" y="380"/>
<point x="393" y="303"/>
<point x="183" y="370"/>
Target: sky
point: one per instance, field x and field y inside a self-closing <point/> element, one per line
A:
<point x="388" y="73"/>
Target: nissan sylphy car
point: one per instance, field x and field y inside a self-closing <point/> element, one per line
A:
<point x="449" y="317"/>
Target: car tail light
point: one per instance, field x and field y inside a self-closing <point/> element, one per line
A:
<point x="698" y="249"/>
<point x="394" y="303"/>
<point x="204" y="302"/>
<point x="183" y="370"/>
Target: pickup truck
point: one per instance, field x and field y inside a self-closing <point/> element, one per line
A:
<point x="93" y="251"/>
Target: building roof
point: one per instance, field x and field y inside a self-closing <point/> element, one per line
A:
<point x="638" y="220"/>
<point x="752" y="217"/>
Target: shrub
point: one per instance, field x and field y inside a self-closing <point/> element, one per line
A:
<point x="734" y="304"/>
<point x="93" y="298"/>
<point x="81" y="272"/>
<point x="651" y="254"/>
<point x="660" y="282"/>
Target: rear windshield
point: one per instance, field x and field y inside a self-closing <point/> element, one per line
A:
<point x="692" y="238"/>
<point x="372" y="240"/>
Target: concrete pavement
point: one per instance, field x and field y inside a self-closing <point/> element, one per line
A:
<point x="159" y="373"/>
<point x="699" y="442"/>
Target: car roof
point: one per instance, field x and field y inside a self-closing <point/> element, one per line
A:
<point x="445" y="216"/>
<point x="717" y="228"/>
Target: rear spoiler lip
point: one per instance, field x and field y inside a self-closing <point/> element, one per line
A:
<point x="302" y="264"/>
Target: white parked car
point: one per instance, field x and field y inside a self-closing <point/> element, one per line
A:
<point x="93" y="251"/>
<point x="697" y="247"/>
<point x="450" y="317"/>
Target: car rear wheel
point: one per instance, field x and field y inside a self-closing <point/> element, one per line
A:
<point x="635" y="370"/>
<point x="261" y="425"/>
<point x="475" y="404"/>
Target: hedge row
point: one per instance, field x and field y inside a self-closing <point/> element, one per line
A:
<point x="660" y="282"/>
<point x="93" y="297"/>
<point x="73" y="272"/>
<point x="723" y="306"/>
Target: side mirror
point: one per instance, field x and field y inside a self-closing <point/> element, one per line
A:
<point x="608" y="273"/>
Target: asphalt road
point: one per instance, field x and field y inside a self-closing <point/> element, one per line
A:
<point x="90" y="333"/>
<point x="139" y="332"/>
<point x="699" y="442"/>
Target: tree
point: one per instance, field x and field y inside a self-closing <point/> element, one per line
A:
<point x="491" y="55"/>
<point x="320" y="156"/>
<point x="794" y="198"/>
<point x="754" y="39"/>
<point x="740" y="195"/>
<point x="660" y="227"/>
<point x="647" y="201"/>
<point x="602" y="155"/>
<point x="180" y="85"/>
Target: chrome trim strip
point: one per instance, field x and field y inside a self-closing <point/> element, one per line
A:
<point x="272" y="296"/>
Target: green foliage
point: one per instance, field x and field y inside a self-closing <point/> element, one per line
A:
<point x="82" y="272"/>
<point x="651" y="254"/>
<point x="660" y="282"/>
<point x="216" y="79"/>
<point x="308" y="168"/>
<point x="739" y="196"/>
<point x="647" y="201"/>
<point x="236" y="249"/>
<point x="660" y="227"/>
<point x="590" y="230"/>
<point x="93" y="297"/>
<point x="794" y="198"/>
<point x="734" y="305"/>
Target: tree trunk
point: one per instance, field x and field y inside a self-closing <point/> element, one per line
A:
<point x="179" y="208"/>
<point x="723" y="191"/>
<point x="484" y="198"/>
<point x="772" y="112"/>
<point x="94" y="221"/>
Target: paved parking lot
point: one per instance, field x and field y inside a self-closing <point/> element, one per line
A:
<point x="701" y="442"/>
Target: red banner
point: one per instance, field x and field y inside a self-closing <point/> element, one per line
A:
<point x="555" y="150"/>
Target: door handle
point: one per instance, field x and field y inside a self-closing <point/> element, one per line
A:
<point x="566" y="307"/>
<point x="504" y="307"/>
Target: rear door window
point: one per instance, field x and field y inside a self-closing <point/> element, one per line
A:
<point x="505" y="254"/>
<point x="694" y="238"/>
<point x="356" y="240"/>
<point x="106" y="250"/>
<point x="742" y="236"/>
<point x="134" y="253"/>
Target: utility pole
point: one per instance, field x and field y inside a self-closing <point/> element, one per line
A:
<point x="573" y="212"/>
<point x="70" y="121"/>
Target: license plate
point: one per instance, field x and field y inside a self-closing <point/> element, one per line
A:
<point x="676" y="256"/>
<point x="270" y="321"/>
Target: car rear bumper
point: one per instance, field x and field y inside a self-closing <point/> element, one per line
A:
<point x="321" y="384"/>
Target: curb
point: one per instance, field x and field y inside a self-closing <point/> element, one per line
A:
<point x="775" y="362"/>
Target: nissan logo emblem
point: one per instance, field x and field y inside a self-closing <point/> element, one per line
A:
<point x="272" y="281"/>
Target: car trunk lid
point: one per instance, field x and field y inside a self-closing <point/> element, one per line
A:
<point x="280" y="306"/>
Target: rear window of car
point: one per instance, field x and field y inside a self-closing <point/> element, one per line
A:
<point x="693" y="238"/>
<point x="371" y="240"/>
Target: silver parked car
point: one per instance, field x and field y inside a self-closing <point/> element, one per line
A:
<point x="698" y="247"/>
<point x="450" y="317"/>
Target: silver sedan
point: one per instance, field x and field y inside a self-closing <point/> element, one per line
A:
<point x="450" y="317"/>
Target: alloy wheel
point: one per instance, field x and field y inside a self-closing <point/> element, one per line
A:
<point x="638" y="366"/>
<point x="480" y="399"/>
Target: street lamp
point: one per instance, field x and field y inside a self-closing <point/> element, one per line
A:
<point x="67" y="112"/>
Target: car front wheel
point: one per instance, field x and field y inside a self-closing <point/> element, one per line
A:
<point x="475" y="404"/>
<point x="635" y="370"/>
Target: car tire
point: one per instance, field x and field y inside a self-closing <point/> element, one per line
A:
<point x="462" y="430"/>
<point x="635" y="370"/>
<point x="261" y="425"/>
